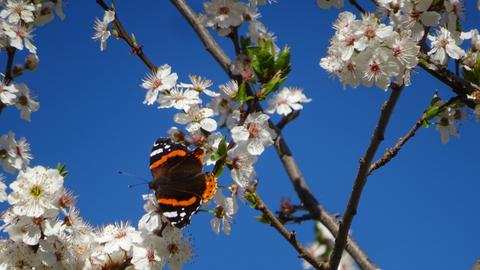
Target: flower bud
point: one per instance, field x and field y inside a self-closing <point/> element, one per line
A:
<point x="17" y="70"/>
<point x="31" y="62"/>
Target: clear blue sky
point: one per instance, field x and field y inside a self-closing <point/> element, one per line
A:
<point x="419" y="212"/>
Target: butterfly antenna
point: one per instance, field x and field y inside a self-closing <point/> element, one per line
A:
<point x="143" y="180"/>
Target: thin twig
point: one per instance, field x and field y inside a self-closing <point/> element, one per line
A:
<point x="287" y="119"/>
<point x="362" y="175"/>
<point x="357" y="6"/>
<point x="295" y="219"/>
<point x="458" y="85"/>
<point x="289" y="236"/>
<point x="8" y="69"/>
<point x="289" y="163"/>
<point x="210" y="44"/>
<point x="393" y="151"/>
<point x="135" y="48"/>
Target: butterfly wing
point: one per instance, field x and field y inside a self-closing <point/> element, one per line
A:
<point x="179" y="183"/>
<point x="167" y="156"/>
<point x="178" y="197"/>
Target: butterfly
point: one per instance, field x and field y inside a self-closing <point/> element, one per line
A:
<point x="179" y="182"/>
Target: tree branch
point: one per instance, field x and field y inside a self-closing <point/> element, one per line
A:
<point x="289" y="236"/>
<point x="458" y="85"/>
<point x="393" y="151"/>
<point x="287" y="119"/>
<point x="135" y="48"/>
<point x="8" y="69"/>
<point x="362" y="175"/>
<point x="210" y="44"/>
<point x="289" y="163"/>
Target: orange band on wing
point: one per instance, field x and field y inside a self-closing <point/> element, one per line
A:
<point x="174" y="153"/>
<point x="174" y="202"/>
<point x="210" y="188"/>
<point x="199" y="154"/>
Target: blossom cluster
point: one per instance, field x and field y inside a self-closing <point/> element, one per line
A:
<point x="226" y="15"/>
<point x="18" y="19"/>
<point x="384" y="48"/>
<point x="46" y="232"/>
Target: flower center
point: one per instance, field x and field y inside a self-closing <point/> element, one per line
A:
<point x="397" y="51"/>
<point x="36" y="191"/>
<point x="219" y="212"/>
<point x="223" y="10"/>
<point x="444" y="42"/>
<point x="375" y="68"/>
<point x="254" y="129"/>
<point x="120" y="234"/>
<point x="157" y="83"/>
<point x="150" y="255"/>
<point x="18" y="9"/>
<point x="3" y="154"/>
<point x="173" y="248"/>
<point x="370" y="32"/>
<point x="23" y="100"/>
<point x="351" y="67"/>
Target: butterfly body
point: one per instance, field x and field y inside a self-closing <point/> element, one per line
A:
<point x="179" y="182"/>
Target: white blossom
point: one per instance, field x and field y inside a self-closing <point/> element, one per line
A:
<point x="196" y="118"/>
<point x="20" y="36"/>
<point x="223" y="14"/>
<point x="443" y="44"/>
<point x="242" y="165"/>
<point x="18" y="10"/>
<point x="3" y="189"/>
<point x="8" y="94"/>
<point x="178" y="98"/>
<point x="446" y="122"/>
<point x="177" y="249"/>
<point x="255" y="132"/>
<point x="159" y="81"/>
<point x="147" y="255"/>
<point x="224" y="211"/>
<point x="200" y="85"/>
<point x="24" y="102"/>
<point x="287" y="100"/>
<point x="101" y="27"/>
<point x="118" y="237"/>
<point x="35" y="191"/>
<point x="14" y="155"/>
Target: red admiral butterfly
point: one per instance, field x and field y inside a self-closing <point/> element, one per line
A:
<point x="179" y="182"/>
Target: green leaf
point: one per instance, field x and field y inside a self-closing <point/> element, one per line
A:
<point x="272" y="85"/>
<point x="262" y="219"/>
<point x="474" y="74"/>
<point x="134" y="40"/>
<point x="221" y="151"/>
<point x="251" y="198"/>
<point x="215" y="157"/>
<point x="425" y="124"/>
<point x="431" y="113"/>
<point x="283" y="62"/>
<point x="242" y="95"/>
<point x="222" y="147"/>
<point x="62" y="169"/>
<point x="244" y="42"/>
<point x="219" y="172"/>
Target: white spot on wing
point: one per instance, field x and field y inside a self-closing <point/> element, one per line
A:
<point x="167" y="146"/>
<point x="156" y="152"/>
<point x="182" y="214"/>
<point x="170" y="214"/>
